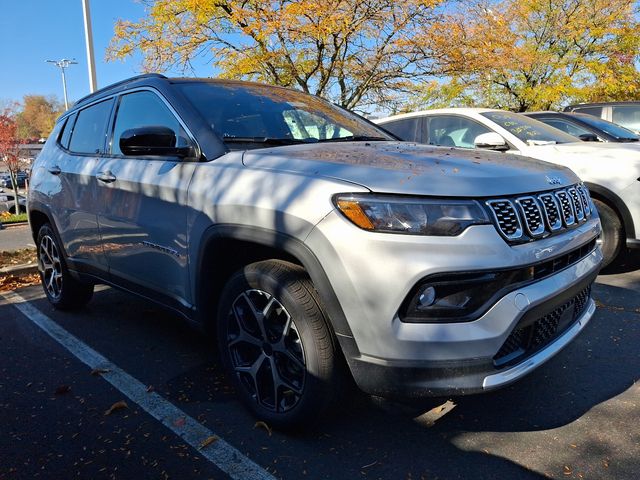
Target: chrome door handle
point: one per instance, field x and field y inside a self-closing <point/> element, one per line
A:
<point x="106" y="177"/>
<point x="55" y="170"/>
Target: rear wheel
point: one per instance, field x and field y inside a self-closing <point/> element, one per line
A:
<point x="276" y="344"/>
<point x="63" y="291"/>
<point x="612" y="233"/>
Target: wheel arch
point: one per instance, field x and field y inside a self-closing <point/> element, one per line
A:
<point x="225" y="248"/>
<point x="614" y="201"/>
<point x="37" y="218"/>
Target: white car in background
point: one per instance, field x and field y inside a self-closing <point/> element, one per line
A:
<point x="610" y="170"/>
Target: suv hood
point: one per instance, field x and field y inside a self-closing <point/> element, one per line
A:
<point x="409" y="168"/>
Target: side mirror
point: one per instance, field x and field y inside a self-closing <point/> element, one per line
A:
<point x="491" y="141"/>
<point x="152" y="140"/>
<point x="588" y="137"/>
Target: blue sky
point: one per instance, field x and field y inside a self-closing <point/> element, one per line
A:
<point x="32" y="31"/>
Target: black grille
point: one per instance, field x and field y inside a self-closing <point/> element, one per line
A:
<point x="584" y="196"/>
<point x="507" y="218"/>
<point x="526" y="340"/>
<point x="552" y="212"/>
<point x="532" y="215"/>
<point x="577" y="204"/>
<point x="568" y="217"/>
<point x="540" y="215"/>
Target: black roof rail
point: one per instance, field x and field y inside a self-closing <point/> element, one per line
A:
<point x="117" y="84"/>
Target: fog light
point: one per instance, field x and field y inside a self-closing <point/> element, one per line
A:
<point x="426" y="298"/>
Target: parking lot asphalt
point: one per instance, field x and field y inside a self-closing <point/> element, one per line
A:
<point x="575" y="417"/>
<point x="16" y="237"/>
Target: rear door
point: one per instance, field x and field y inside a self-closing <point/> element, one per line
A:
<point x="142" y="204"/>
<point x="81" y="144"/>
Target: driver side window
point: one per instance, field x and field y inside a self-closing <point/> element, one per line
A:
<point x="453" y="131"/>
<point x="144" y="109"/>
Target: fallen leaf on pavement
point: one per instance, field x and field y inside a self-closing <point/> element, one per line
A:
<point x="208" y="441"/>
<point x="150" y="388"/>
<point x="261" y="424"/>
<point x="116" y="406"/>
<point x="428" y="419"/>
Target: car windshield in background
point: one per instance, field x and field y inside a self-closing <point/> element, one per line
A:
<point x="267" y="116"/>
<point x="528" y="130"/>
<point x="612" y="129"/>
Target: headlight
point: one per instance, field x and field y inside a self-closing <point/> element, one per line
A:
<point x="410" y="215"/>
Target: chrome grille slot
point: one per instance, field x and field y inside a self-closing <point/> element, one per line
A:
<point x="551" y="211"/>
<point x="566" y="208"/>
<point x="577" y="204"/>
<point x="532" y="215"/>
<point x="507" y="218"/>
<point x="584" y="196"/>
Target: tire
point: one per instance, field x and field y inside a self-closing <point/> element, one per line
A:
<point x="276" y="344"/>
<point x="63" y="291"/>
<point x="612" y="232"/>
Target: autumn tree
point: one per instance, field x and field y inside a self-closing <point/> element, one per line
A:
<point x="535" y="54"/>
<point x="356" y="53"/>
<point x="38" y="116"/>
<point x="10" y="149"/>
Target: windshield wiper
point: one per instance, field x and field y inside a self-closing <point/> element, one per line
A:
<point x="355" y="138"/>
<point x="628" y="139"/>
<point x="268" y="140"/>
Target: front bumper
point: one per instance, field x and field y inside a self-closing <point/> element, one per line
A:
<point x="394" y="379"/>
<point x="390" y="358"/>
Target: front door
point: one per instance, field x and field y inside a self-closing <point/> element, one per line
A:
<point x="143" y="204"/>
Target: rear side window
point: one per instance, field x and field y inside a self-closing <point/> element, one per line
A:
<point x="65" y="136"/>
<point x="89" y="131"/>
<point x="595" y="111"/>
<point x="406" y="129"/>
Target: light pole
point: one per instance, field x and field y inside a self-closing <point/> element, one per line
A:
<point x="62" y="64"/>
<point x="88" y="37"/>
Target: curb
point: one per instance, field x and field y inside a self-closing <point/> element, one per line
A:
<point x="19" y="269"/>
<point x="14" y="224"/>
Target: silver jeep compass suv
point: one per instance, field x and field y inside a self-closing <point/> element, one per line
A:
<point x="312" y="242"/>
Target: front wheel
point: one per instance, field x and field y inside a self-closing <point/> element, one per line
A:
<point x="612" y="233"/>
<point x="63" y="291"/>
<point x="276" y="344"/>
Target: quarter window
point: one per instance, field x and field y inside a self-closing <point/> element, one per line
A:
<point x="89" y="131"/>
<point x="65" y="136"/>
<point x="144" y="109"/>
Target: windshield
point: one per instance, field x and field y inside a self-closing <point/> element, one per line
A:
<point x="265" y="115"/>
<point x="529" y="130"/>
<point x="612" y="129"/>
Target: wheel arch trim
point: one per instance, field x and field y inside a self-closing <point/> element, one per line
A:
<point x="287" y="244"/>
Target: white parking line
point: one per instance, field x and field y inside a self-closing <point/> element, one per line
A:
<point x="219" y="452"/>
